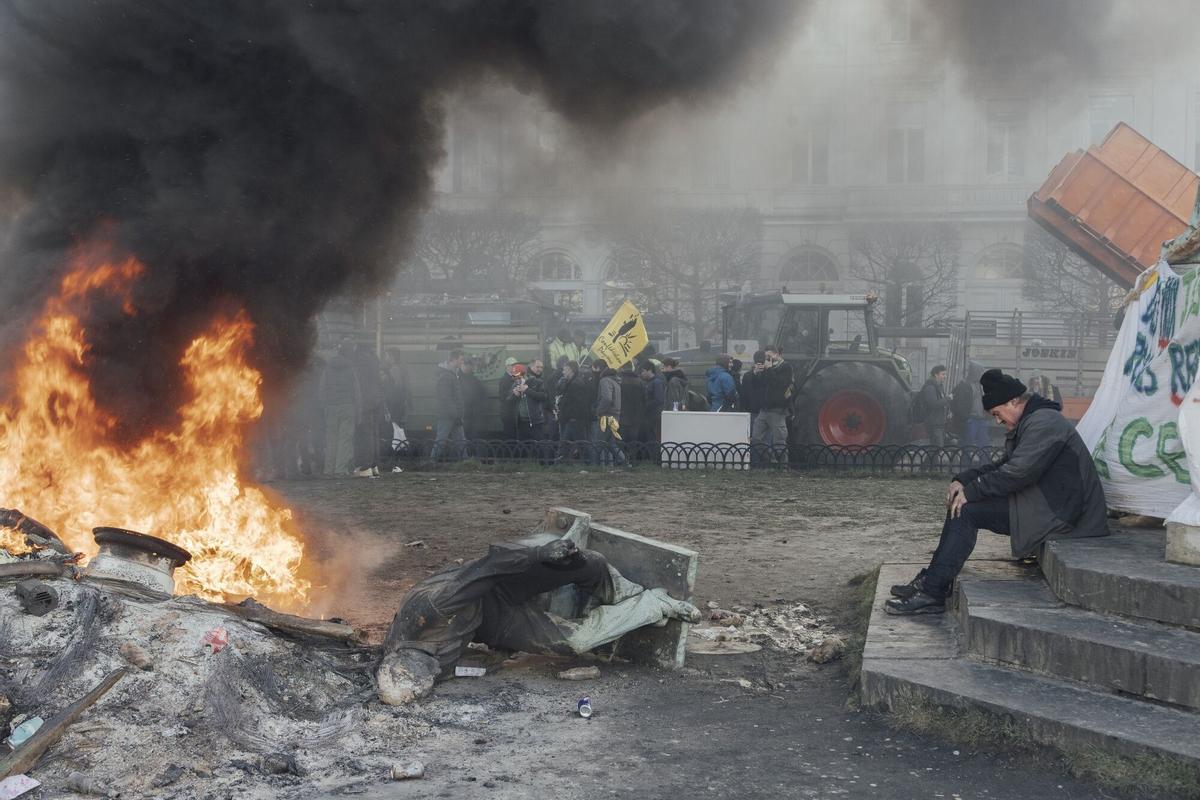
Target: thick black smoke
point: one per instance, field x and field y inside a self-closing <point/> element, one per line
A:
<point x="265" y="153"/>
<point x="1054" y="40"/>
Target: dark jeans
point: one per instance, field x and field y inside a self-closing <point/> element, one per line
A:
<point x="958" y="540"/>
<point x="570" y="433"/>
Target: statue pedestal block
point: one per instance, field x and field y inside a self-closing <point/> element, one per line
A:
<point x="1183" y="544"/>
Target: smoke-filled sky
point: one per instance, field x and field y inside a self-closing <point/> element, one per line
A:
<point x="266" y="153"/>
<point x="958" y="54"/>
<point x="272" y="154"/>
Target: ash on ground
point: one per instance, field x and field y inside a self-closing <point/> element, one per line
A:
<point x="794" y="628"/>
<point x="262" y="715"/>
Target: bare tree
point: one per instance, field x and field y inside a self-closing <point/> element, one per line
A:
<point x="1058" y="280"/>
<point x="913" y="266"/>
<point x="679" y="261"/>
<point x="469" y="251"/>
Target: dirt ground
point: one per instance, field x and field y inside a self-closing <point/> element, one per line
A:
<point x="760" y="725"/>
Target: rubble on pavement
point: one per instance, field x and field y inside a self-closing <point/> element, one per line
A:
<point x="793" y="628"/>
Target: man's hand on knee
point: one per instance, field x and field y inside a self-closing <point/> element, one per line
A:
<point x="955" y="496"/>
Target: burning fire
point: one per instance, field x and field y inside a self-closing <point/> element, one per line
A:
<point x="58" y="462"/>
<point x="14" y="542"/>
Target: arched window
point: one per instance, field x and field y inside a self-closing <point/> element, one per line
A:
<point x="554" y="266"/>
<point x="808" y="265"/>
<point x="1000" y="262"/>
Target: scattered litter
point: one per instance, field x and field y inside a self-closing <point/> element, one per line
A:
<point x="722" y="648"/>
<point x="726" y="617"/>
<point x="745" y="683"/>
<point x="22" y="732"/>
<point x="135" y="655"/>
<point x="5" y="710"/>
<point x="82" y="783"/>
<point x="579" y="674"/>
<point x="790" y="628"/>
<point x="584" y="707"/>
<point x="828" y="650"/>
<point x="408" y="771"/>
<point x="470" y="672"/>
<point x="17" y="785"/>
<point x="216" y="638"/>
<point x="416" y="543"/>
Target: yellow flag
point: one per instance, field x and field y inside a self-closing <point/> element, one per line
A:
<point x="623" y="338"/>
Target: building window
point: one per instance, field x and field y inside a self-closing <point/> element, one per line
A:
<point x="906" y="143"/>
<point x="554" y="266"/>
<point x="1105" y="111"/>
<point x="1007" y="133"/>
<point x="898" y="22"/>
<point x="710" y="163"/>
<point x="1001" y="262"/>
<point x="570" y="300"/>
<point x="810" y="151"/>
<point x="476" y="158"/>
<point x="808" y="265"/>
<point x="549" y="147"/>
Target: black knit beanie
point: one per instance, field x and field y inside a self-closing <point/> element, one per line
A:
<point x="999" y="388"/>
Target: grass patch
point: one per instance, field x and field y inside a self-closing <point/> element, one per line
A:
<point x="859" y="622"/>
<point x="1146" y="775"/>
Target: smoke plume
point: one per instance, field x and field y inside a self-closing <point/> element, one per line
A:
<point x="266" y="153"/>
<point x="1067" y="40"/>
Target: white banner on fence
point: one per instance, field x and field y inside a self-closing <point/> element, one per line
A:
<point x="1132" y="426"/>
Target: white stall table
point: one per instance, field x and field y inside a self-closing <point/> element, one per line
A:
<point x="706" y="428"/>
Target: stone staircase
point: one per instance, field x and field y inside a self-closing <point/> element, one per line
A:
<point x="1102" y="652"/>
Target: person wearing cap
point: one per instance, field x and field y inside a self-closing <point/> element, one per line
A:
<point x="1044" y="487"/>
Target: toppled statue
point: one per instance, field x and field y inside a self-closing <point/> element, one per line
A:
<point x="504" y="600"/>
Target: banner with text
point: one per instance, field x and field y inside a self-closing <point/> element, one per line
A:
<point x="1132" y="426"/>
<point x="623" y="338"/>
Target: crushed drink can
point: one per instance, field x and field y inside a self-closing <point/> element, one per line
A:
<point x="584" y="707"/>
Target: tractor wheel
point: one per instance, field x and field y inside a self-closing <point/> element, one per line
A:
<point x="851" y="405"/>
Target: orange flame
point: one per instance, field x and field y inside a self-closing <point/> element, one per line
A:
<point x="59" y="464"/>
<point x="13" y="542"/>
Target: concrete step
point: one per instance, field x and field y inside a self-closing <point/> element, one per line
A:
<point x="1021" y="623"/>
<point x="923" y="658"/>
<point x="1124" y="573"/>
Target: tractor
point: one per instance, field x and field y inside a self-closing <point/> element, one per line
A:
<point x="848" y="391"/>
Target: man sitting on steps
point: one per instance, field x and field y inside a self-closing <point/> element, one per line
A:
<point x="1045" y="487"/>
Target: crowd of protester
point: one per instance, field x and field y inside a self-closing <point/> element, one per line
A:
<point x="348" y="411"/>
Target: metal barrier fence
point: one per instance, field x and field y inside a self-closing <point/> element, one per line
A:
<point x="878" y="459"/>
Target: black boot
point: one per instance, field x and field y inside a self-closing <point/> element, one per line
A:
<point x="919" y="603"/>
<point x="907" y="590"/>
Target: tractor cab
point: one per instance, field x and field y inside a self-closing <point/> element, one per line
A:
<point x="806" y="326"/>
<point x="848" y="392"/>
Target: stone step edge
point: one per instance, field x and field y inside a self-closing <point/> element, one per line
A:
<point x="966" y="617"/>
<point x="1057" y="571"/>
<point x="882" y="679"/>
<point x="881" y="688"/>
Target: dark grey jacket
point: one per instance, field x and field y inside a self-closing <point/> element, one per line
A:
<point x="608" y="399"/>
<point x="1049" y="478"/>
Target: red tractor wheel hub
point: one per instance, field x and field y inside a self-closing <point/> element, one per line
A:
<point x="851" y="418"/>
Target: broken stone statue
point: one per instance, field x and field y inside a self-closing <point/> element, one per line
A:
<point x="504" y="600"/>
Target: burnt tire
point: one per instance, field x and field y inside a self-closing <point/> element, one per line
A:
<point x="851" y="405"/>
